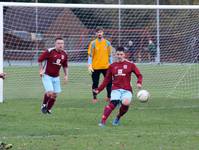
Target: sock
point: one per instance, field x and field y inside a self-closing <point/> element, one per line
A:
<point x="50" y="103"/>
<point x="46" y="99"/>
<point x="122" y="111"/>
<point x="107" y="111"/>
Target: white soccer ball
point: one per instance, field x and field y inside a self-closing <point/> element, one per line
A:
<point x="143" y="95"/>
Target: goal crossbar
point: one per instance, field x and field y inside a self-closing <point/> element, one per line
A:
<point x="104" y="6"/>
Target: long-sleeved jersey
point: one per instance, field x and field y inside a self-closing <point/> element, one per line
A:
<point x="120" y="74"/>
<point x="53" y="60"/>
<point x="99" y="54"/>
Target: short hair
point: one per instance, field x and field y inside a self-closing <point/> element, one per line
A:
<point x="120" y="49"/>
<point x="58" y="38"/>
<point x="99" y="28"/>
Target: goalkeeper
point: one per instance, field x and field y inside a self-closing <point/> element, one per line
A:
<point x="120" y="74"/>
<point x="99" y="59"/>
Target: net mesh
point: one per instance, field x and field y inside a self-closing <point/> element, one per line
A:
<point x="29" y="30"/>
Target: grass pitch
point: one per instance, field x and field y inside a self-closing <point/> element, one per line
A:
<point x="164" y="123"/>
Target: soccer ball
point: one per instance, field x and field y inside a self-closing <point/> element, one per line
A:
<point x="143" y="95"/>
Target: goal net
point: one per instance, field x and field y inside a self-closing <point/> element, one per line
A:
<point x="162" y="41"/>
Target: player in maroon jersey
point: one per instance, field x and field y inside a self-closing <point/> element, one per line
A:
<point x="2" y="75"/>
<point x="50" y="62"/>
<point x="120" y="74"/>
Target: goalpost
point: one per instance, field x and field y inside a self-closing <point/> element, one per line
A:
<point x="1" y="52"/>
<point x="164" y="45"/>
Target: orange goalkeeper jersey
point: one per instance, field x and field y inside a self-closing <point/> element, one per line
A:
<point x="99" y="52"/>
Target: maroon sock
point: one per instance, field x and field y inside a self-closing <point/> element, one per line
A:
<point x="107" y="111"/>
<point x="122" y="111"/>
<point x="46" y="99"/>
<point x="50" y="103"/>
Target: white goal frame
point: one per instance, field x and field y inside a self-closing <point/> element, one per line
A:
<point x="156" y="7"/>
<point x="1" y="52"/>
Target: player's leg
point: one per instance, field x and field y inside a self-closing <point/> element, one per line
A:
<point x="149" y="56"/>
<point x="46" y="98"/>
<point x="57" y="89"/>
<point x="48" y="86"/>
<point x="126" y="101"/>
<point x="4" y="146"/>
<point x="95" y="78"/>
<point x="51" y="102"/>
<point x="108" y="87"/>
<point x="153" y="56"/>
<point x="115" y="96"/>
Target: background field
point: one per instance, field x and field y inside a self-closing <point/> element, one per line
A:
<point x="169" y="121"/>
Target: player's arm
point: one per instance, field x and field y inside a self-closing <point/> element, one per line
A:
<point x="90" y="53"/>
<point x="65" y="69"/>
<point x="105" y="82"/>
<point x="41" y="58"/>
<point x="138" y="75"/>
<point x="109" y="52"/>
<point x="41" y="70"/>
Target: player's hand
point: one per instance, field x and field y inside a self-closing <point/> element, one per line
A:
<point x="94" y="101"/>
<point x="139" y="86"/>
<point x="95" y="91"/>
<point x="90" y="69"/>
<point x="65" y="79"/>
<point x="41" y="72"/>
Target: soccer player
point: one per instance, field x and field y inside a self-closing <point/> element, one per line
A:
<point x="152" y="50"/>
<point x="4" y="146"/>
<point x="50" y="62"/>
<point x="99" y="59"/>
<point x="120" y="74"/>
<point x="2" y="75"/>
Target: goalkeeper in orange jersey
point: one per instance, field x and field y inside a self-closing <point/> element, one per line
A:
<point x="99" y="59"/>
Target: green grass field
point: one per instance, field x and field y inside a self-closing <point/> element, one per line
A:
<point x="169" y="121"/>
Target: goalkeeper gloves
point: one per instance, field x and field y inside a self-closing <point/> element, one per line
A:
<point x="90" y="69"/>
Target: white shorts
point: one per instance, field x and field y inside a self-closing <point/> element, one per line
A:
<point x="51" y="84"/>
<point x="121" y="94"/>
